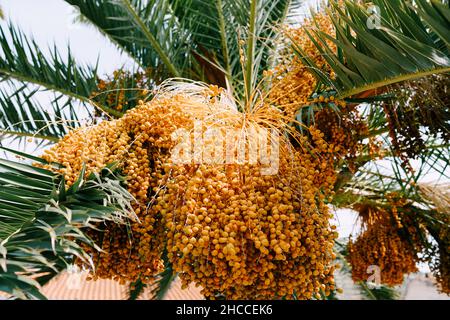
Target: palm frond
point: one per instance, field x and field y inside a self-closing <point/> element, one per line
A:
<point x="221" y="29"/>
<point x="381" y="292"/>
<point x="23" y="116"/>
<point x="21" y="59"/>
<point x="96" y="14"/>
<point x="146" y="29"/>
<point x="41" y="223"/>
<point x="197" y="39"/>
<point x="163" y="281"/>
<point x="394" y="173"/>
<point x="409" y="44"/>
<point x="260" y="36"/>
<point x="207" y="23"/>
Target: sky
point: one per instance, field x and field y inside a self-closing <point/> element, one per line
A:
<point x="52" y="22"/>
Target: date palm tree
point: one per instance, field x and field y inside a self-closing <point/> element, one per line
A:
<point x="229" y="43"/>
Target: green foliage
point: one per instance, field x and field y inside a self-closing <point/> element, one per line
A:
<point x="164" y="280"/>
<point x="146" y="30"/>
<point x="22" y="59"/>
<point x="218" y="27"/>
<point x="42" y="225"/>
<point x="196" y="39"/>
<point x="411" y="42"/>
<point x="135" y="289"/>
<point x="24" y="116"/>
<point x="378" y="293"/>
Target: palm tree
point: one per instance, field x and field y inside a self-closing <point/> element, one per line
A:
<point x="229" y="44"/>
<point x="43" y="224"/>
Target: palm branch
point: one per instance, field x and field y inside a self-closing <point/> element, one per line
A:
<point x="24" y="116"/>
<point x="196" y="39"/>
<point x="411" y="42"/>
<point x="42" y="225"/>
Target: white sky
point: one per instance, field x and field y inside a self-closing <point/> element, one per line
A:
<point x="51" y="21"/>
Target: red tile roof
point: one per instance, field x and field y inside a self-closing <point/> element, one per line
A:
<point x="74" y="286"/>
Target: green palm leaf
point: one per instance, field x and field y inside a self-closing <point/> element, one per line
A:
<point x="22" y="60"/>
<point x="147" y="30"/>
<point x="163" y="281"/>
<point x="410" y="43"/>
<point x="23" y="116"/>
<point x="219" y="26"/>
<point x="42" y="225"/>
<point x="197" y="39"/>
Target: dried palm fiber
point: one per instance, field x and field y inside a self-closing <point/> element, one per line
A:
<point x="439" y="195"/>
<point x="227" y="227"/>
